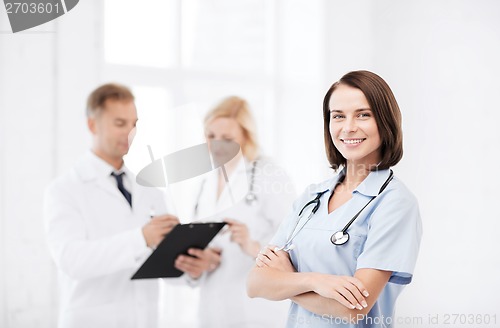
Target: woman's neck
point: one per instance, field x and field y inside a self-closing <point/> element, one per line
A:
<point x="229" y="168"/>
<point x="355" y="174"/>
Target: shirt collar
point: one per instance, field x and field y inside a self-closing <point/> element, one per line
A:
<point x="243" y="167"/>
<point x="102" y="167"/>
<point x="326" y="185"/>
<point x="94" y="167"/>
<point x="370" y="186"/>
<point x="373" y="182"/>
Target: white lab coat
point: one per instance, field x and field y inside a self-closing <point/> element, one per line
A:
<point x="223" y="299"/>
<point x="96" y="241"/>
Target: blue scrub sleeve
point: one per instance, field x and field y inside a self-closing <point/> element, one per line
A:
<point x="393" y="238"/>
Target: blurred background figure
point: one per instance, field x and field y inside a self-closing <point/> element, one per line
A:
<point x="98" y="224"/>
<point x="256" y="198"/>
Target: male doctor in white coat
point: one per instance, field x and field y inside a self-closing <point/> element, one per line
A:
<point x="98" y="225"/>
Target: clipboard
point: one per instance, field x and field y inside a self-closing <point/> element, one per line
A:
<point x="160" y="264"/>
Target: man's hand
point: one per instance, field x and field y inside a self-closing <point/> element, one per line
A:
<point x="198" y="261"/>
<point x="156" y="229"/>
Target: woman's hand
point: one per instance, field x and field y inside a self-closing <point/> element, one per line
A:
<point x="241" y="236"/>
<point x="198" y="261"/>
<point x="348" y="291"/>
<point x="271" y="257"/>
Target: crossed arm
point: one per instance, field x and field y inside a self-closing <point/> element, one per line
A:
<point x="275" y="278"/>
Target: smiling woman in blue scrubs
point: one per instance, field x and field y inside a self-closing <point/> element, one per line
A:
<point x="331" y="281"/>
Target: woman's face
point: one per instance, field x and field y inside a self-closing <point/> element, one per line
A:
<point x="224" y="135"/>
<point x="353" y="128"/>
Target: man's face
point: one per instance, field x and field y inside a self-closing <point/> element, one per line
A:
<point x="111" y="129"/>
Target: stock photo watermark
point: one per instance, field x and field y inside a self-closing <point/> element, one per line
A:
<point x="428" y="320"/>
<point x="24" y="15"/>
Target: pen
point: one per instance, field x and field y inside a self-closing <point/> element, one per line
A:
<point x="151" y="212"/>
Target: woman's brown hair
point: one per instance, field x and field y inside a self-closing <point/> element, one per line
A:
<point x="385" y="109"/>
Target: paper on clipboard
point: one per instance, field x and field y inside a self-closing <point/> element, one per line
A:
<point x="160" y="264"/>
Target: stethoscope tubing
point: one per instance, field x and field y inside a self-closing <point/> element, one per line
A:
<point x="313" y="211"/>
<point x="250" y="197"/>
<point x="340" y="237"/>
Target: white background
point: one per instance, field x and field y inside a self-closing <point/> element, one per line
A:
<point x="441" y="59"/>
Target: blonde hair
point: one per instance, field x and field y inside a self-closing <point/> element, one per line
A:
<point x="237" y="109"/>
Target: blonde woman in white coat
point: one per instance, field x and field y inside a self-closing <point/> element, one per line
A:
<point x="254" y="201"/>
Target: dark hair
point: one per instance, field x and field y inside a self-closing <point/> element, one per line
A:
<point x="385" y="109"/>
<point x="110" y="91"/>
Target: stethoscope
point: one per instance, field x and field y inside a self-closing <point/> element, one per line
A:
<point x="251" y="196"/>
<point x="338" y="238"/>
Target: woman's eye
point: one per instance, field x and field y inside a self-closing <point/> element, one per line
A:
<point x="337" y="116"/>
<point x="364" y="115"/>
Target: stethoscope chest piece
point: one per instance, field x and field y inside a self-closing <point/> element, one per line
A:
<point x="339" y="238"/>
<point x="251" y="199"/>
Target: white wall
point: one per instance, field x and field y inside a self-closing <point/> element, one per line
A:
<point x="27" y="101"/>
<point x="440" y="58"/>
<point x="45" y="76"/>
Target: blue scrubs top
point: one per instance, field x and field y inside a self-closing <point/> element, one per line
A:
<point x="385" y="236"/>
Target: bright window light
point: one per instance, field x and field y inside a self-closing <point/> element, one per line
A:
<point x="142" y="33"/>
<point x="224" y="35"/>
<point x="153" y="111"/>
